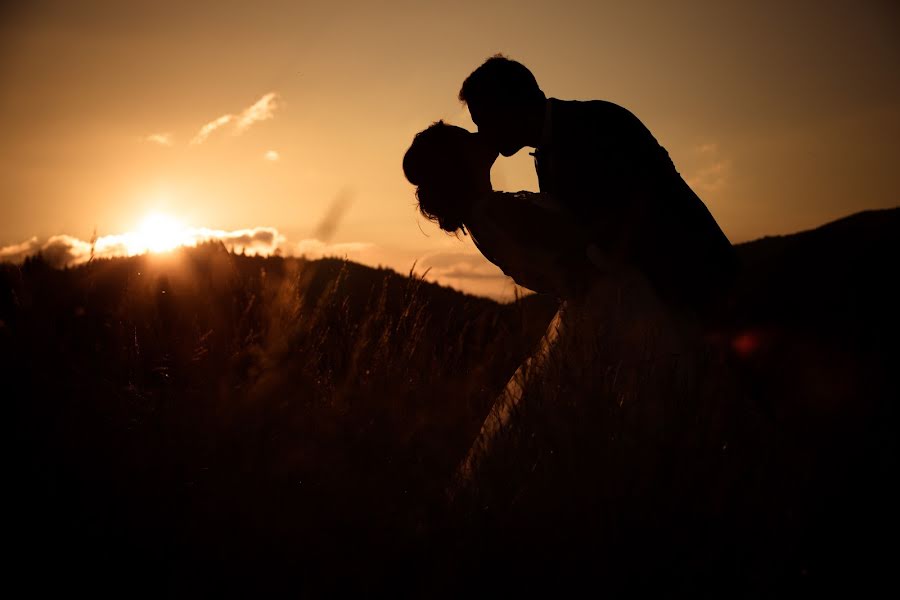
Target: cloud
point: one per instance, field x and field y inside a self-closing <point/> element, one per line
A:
<point x="58" y="251"/>
<point x="210" y="127"/>
<point x="258" y="240"/>
<point x="464" y="269"/>
<point x="63" y="250"/>
<point x="314" y="248"/>
<point x="261" y="110"/>
<point x="14" y="250"/>
<point x="163" y="139"/>
<point x="272" y="155"/>
<point x="66" y="251"/>
<point x="16" y="253"/>
<point x="460" y="265"/>
<point x="470" y="272"/>
<point x="713" y="174"/>
<point x="711" y="178"/>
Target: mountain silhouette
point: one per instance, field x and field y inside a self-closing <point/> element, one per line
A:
<point x="838" y="278"/>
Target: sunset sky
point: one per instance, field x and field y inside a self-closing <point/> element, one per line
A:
<point x="294" y="116"/>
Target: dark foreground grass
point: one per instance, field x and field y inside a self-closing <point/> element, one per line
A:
<point x="207" y="422"/>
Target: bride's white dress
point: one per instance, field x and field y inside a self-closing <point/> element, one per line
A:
<point x="537" y="244"/>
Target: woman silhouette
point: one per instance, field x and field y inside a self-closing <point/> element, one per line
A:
<point x="531" y="239"/>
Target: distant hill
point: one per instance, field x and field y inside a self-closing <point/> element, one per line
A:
<point x="836" y="282"/>
<point x="837" y="279"/>
<point x="876" y="225"/>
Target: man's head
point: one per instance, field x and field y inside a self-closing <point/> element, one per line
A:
<point x="505" y="103"/>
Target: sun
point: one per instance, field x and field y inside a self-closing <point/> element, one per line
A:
<point x="158" y="233"/>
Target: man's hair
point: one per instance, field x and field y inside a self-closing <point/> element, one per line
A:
<point x="500" y="80"/>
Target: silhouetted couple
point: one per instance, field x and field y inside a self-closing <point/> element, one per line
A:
<point x="615" y="232"/>
<point x="611" y="201"/>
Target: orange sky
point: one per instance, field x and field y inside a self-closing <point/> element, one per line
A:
<point x="782" y="116"/>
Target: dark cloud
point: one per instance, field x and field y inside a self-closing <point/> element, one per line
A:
<point x="261" y="235"/>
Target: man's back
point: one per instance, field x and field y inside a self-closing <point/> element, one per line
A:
<point x="598" y="160"/>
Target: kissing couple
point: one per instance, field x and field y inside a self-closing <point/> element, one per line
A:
<point x="612" y="214"/>
<point x="611" y="201"/>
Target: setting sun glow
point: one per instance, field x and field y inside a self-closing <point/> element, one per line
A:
<point x="158" y="233"/>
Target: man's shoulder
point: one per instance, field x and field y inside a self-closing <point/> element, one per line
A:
<point x="596" y="109"/>
<point x="591" y="118"/>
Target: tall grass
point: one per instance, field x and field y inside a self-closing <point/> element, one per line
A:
<point x="207" y="408"/>
<point x="206" y="421"/>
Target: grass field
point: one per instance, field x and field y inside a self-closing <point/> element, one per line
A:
<point x="207" y="422"/>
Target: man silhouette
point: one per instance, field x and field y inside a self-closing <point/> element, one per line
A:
<point x="598" y="161"/>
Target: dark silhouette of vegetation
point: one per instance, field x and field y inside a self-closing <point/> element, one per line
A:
<point x="206" y="421"/>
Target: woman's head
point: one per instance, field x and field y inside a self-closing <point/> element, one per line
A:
<point x="449" y="167"/>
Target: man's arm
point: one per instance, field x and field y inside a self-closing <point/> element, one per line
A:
<point x="537" y="222"/>
<point x="537" y="243"/>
